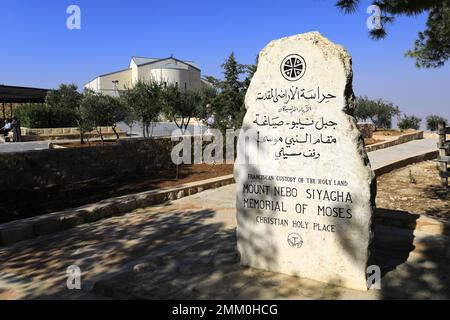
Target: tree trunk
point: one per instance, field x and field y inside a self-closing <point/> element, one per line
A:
<point x="115" y="132"/>
<point x="99" y="131"/>
<point x="176" y="123"/>
<point x="374" y="124"/>
<point x="187" y="123"/>
<point x="81" y="133"/>
<point x="152" y="126"/>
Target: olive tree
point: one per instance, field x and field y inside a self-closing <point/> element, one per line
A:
<point x="144" y="102"/>
<point x="409" y="122"/>
<point x="68" y="99"/>
<point x="115" y="111"/>
<point x="91" y="110"/>
<point x="379" y="112"/>
<point x="433" y="121"/>
<point x="181" y="106"/>
<point x="99" y="110"/>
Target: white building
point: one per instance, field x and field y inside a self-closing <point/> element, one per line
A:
<point x="185" y="74"/>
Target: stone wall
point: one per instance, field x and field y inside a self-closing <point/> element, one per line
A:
<point x="62" y="131"/>
<point x="39" y="134"/>
<point x="37" y="169"/>
<point x="366" y="129"/>
<point x="399" y="140"/>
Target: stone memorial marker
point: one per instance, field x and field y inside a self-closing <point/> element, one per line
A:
<point x="305" y="189"/>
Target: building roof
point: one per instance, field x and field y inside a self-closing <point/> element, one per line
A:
<point x="140" y="61"/>
<point x="13" y="94"/>
<point x="111" y="73"/>
<point x="106" y="74"/>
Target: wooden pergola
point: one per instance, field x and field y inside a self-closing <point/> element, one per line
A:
<point x="11" y="96"/>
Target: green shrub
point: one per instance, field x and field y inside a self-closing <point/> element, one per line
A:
<point x="36" y="115"/>
<point x="409" y="122"/>
<point x="433" y="121"/>
<point x="379" y="112"/>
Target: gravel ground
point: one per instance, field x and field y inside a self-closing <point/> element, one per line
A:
<point x="415" y="189"/>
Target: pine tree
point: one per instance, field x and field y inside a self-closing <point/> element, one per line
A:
<point x="231" y="71"/>
<point x="432" y="49"/>
<point x="228" y="106"/>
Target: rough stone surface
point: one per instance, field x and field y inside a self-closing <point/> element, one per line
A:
<point x="47" y="227"/>
<point x="126" y="205"/>
<point x="305" y="195"/>
<point x="72" y="165"/>
<point x="16" y="234"/>
<point x="366" y="129"/>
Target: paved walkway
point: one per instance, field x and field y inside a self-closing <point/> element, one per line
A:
<point x="23" y="146"/>
<point x="37" y="268"/>
<point x="162" y="129"/>
<point x="383" y="157"/>
<point x="378" y="158"/>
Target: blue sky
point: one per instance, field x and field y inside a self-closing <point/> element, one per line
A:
<point x="38" y="50"/>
